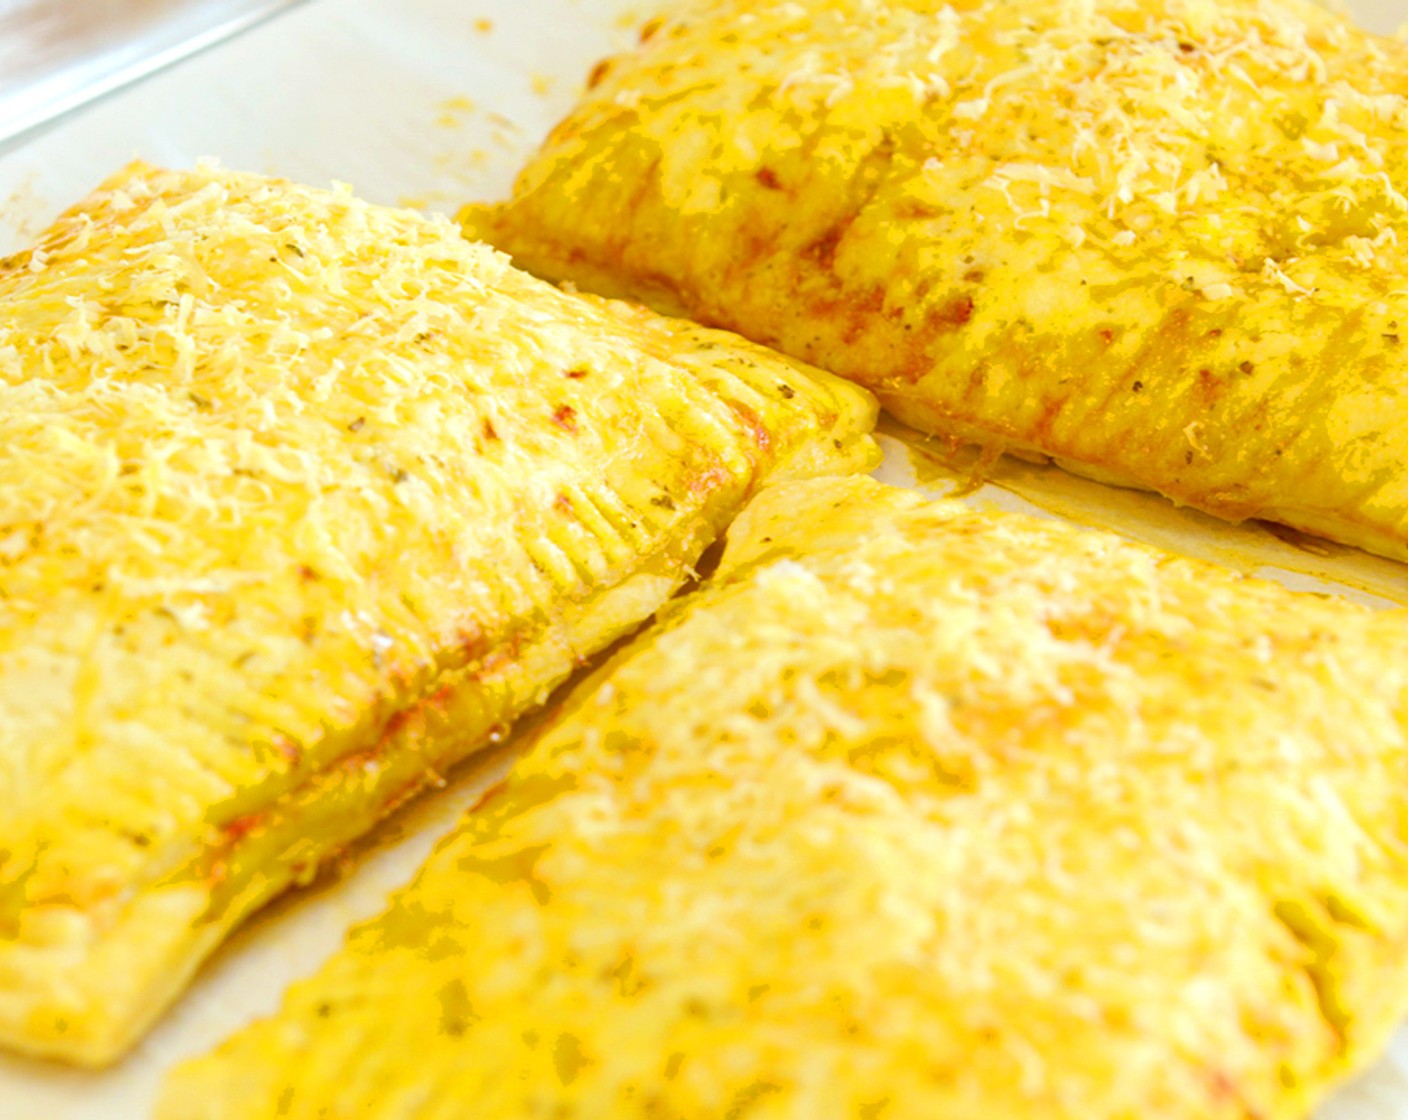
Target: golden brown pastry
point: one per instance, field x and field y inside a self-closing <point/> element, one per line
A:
<point x="1163" y="241"/>
<point x="915" y="813"/>
<point x="303" y="500"/>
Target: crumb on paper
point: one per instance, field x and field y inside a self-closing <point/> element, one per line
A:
<point x="505" y="133"/>
<point x="463" y="167"/>
<point x="503" y="123"/>
<point x="455" y="111"/>
<point x="483" y="26"/>
<point x="433" y="202"/>
<point x="542" y="84"/>
<point x="23" y="213"/>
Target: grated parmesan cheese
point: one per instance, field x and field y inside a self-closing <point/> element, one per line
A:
<point x="1001" y="215"/>
<point x="803" y="837"/>
<point x="304" y="499"/>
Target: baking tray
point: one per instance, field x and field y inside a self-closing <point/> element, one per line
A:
<point x="57" y="57"/>
<point x="429" y="103"/>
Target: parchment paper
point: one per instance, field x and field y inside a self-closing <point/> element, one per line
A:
<point x="430" y="103"/>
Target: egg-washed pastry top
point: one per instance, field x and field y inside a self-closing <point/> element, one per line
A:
<point x="303" y="500"/>
<point x="1163" y="241"/>
<point x="915" y="813"/>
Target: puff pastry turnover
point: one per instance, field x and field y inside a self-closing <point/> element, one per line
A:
<point x="915" y="812"/>
<point x="1163" y="241"/>
<point x="304" y="499"/>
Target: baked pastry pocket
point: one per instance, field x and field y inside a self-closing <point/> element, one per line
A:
<point x="306" y="499"/>
<point x="1069" y="229"/>
<point x="914" y="811"/>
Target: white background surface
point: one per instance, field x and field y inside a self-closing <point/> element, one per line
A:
<point x="431" y="103"/>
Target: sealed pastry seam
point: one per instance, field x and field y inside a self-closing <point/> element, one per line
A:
<point x="1163" y="241"/>
<point x="912" y="811"/>
<point x="309" y="499"/>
